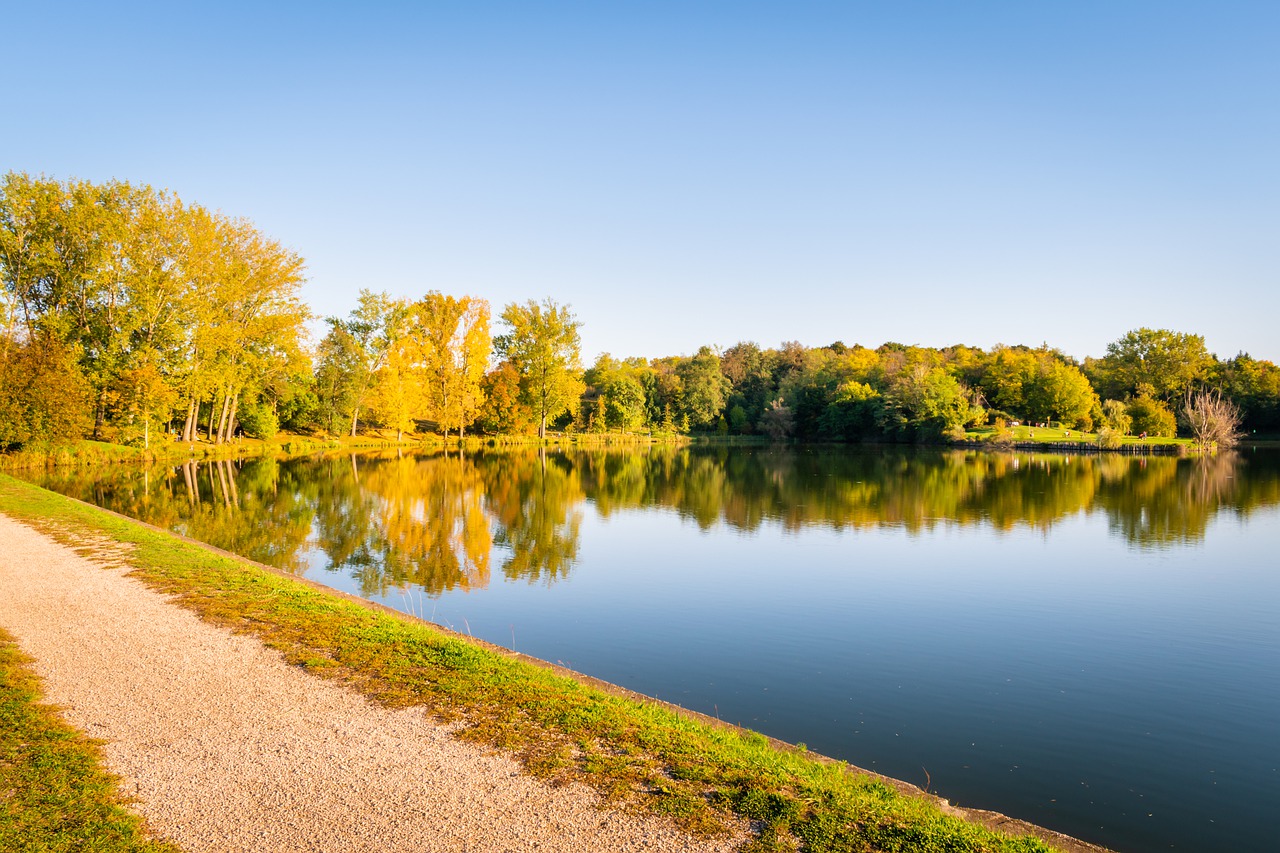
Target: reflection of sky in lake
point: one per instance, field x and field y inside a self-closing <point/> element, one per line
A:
<point x="1065" y="676"/>
<point x="1079" y="642"/>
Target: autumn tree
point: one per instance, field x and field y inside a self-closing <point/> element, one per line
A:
<point x="145" y="397"/>
<point x="368" y="335"/>
<point x="338" y="377"/>
<point x="397" y="396"/>
<point x="455" y="348"/>
<point x="42" y="394"/>
<point x="260" y="320"/>
<point x="542" y="344"/>
<point x="503" y="410"/>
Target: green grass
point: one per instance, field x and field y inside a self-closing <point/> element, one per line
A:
<point x="637" y="753"/>
<point x="54" y="793"/>
<point x="1045" y="435"/>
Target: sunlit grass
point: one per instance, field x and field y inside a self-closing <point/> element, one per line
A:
<point x="1059" y="435"/>
<point x="639" y="753"/>
<point x="54" y="793"/>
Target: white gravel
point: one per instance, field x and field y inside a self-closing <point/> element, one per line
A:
<point x="226" y="748"/>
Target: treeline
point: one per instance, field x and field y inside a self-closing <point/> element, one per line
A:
<point x="128" y="312"/>
<point x="126" y="309"/>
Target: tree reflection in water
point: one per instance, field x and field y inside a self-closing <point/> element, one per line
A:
<point x="437" y="522"/>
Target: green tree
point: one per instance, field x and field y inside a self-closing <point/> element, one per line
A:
<point x="1171" y="363"/>
<point x="1151" y="416"/>
<point x="1115" y="416"/>
<point x="1060" y="392"/>
<point x="621" y="400"/>
<point x="852" y="413"/>
<point x="924" y="402"/>
<point x="542" y="344"/>
<point x="705" y="388"/>
<point x="29" y="210"/>
<point x="1254" y="385"/>
<point x="1005" y="378"/>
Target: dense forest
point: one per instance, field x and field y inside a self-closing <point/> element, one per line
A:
<point x="128" y="314"/>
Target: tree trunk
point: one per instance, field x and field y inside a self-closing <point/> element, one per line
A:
<point x="229" y="430"/>
<point x="222" y="419"/>
<point x="355" y="416"/>
<point x="189" y="427"/>
<point x="100" y="413"/>
<point x="212" y="411"/>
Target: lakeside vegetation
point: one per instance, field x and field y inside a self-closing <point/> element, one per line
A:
<point x="128" y="315"/>
<point x="633" y="752"/>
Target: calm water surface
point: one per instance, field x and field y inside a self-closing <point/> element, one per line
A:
<point x="1092" y="644"/>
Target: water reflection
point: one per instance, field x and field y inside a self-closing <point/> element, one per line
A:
<point x="437" y="522"/>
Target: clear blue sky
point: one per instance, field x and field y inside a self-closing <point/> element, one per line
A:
<point x="697" y="173"/>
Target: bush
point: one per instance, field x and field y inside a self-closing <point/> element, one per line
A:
<point x="258" y="421"/>
<point x="1152" y="417"/>
<point x="1108" y="438"/>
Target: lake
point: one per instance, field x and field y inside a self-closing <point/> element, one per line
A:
<point x="1091" y="643"/>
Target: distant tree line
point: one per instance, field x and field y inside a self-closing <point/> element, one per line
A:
<point x="127" y="312"/>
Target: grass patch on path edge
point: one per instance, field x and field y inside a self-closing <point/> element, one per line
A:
<point x="55" y="794"/>
<point x="638" y="755"/>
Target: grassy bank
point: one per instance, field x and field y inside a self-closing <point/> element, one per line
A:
<point x="54" y="793"/>
<point x="643" y="754"/>
<point x="1023" y="434"/>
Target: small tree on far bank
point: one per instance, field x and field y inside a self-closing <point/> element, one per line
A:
<point x="777" y="421"/>
<point x="1214" y="421"/>
<point x="1151" y="416"/>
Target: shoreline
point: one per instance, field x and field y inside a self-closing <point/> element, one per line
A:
<point x="993" y="820"/>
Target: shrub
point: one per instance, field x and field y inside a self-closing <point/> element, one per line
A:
<point x="258" y="421"/>
<point x="1152" y="417"/>
<point x="1108" y="438"/>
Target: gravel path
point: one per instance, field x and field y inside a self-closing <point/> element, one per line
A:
<point x="227" y="748"/>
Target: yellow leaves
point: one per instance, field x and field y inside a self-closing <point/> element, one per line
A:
<point x="455" y="344"/>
